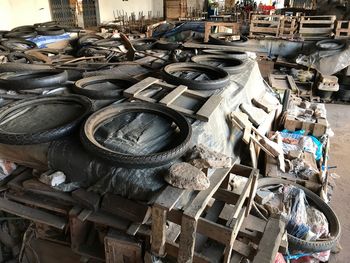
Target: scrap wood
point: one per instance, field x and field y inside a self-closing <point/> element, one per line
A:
<point x="271" y="148"/>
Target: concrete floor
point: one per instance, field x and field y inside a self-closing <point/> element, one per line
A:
<point x="339" y="118"/>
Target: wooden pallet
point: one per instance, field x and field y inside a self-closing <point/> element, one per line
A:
<point x="197" y="227"/>
<point x="342" y="30"/>
<point x="316" y="27"/>
<point x="288" y="27"/>
<point x="221" y="26"/>
<point x="169" y="95"/>
<point x="265" y="25"/>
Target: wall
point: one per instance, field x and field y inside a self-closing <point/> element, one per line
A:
<point x="108" y="6"/>
<point x="15" y="13"/>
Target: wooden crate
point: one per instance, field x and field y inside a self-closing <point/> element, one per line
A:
<point x="288" y="27"/>
<point x="342" y="30"/>
<point x="316" y="27"/>
<point x="221" y="28"/>
<point x="265" y="25"/>
<point x="194" y="226"/>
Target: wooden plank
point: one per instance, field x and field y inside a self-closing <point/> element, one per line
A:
<point x="139" y="87"/>
<point x="193" y="212"/>
<point x="209" y="107"/>
<point x="201" y="200"/>
<point x="187" y="239"/>
<point x="32" y="214"/>
<point x="215" y="231"/>
<point x="159" y="216"/>
<point x="270" y="241"/>
<point x="39" y="201"/>
<point x="126" y="208"/>
<point x="169" y="197"/>
<point x="238" y="206"/>
<point x="173" y="95"/>
<point x="87" y="199"/>
<point x="235" y="230"/>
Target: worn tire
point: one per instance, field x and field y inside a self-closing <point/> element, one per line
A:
<point x="143" y="44"/>
<point x="45" y="135"/>
<point x="217" y="39"/>
<point x="333" y="221"/>
<point x="82" y="87"/>
<point x="21" y="34"/>
<point x="49" y="30"/>
<point x="231" y="65"/>
<point x="335" y="45"/>
<point x="164" y="45"/>
<point x="219" y="77"/>
<point x="34" y="79"/>
<point x="132" y="161"/>
<point x="18" y="44"/>
<point x="88" y="39"/>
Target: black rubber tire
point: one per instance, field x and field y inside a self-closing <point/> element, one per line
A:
<point x="219" y="77"/>
<point x="34" y="79"/>
<point x="338" y="44"/>
<point x="45" y="135"/>
<point x="108" y="42"/>
<point x="46" y="24"/>
<point x="2" y="33"/>
<point x="230" y="54"/>
<point x="20" y="34"/>
<point x="72" y="29"/>
<point x="164" y="45"/>
<point x="143" y="44"/>
<point x="82" y="87"/>
<point x="333" y="221"/>
<point x="88" y="39"/>
<point x="50" y="31"/>
<point x="18" y="44"/>
<point x="217" y="39"/>
<point x="23" y="28"/>
<point x="233" y="65"/>
<point x="15" y="56"/>
<point x="4" y="49"/>
<point x="132" y="161"/>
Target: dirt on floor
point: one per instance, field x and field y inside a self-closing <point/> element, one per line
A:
<point x="339" y="118"/>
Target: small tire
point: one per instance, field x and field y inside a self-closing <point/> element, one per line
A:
<point x="34" y="79"/>
<point x="333" y="221"/>
<point x="50" y="134"/>
<point x="135" y="161"/>
<point x="82" y="87"/>
<point x="231" y="65"/>
<point x="219" y="77"/>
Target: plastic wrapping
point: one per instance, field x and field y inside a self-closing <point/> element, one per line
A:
<point x="326" y="62"/>
<point x="217" y="134"/>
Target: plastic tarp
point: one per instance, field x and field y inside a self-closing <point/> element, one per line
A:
<point x="327" y="62"/>
<point x="142" y="184"/>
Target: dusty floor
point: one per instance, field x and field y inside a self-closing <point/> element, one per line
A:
<point x="339" y="118"/>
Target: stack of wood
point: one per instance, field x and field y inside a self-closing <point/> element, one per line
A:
<point x="342" y="30"/>
<point x="316" y="27"/>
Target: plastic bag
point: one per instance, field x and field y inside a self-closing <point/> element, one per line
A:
<point x="297" y="217"/>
